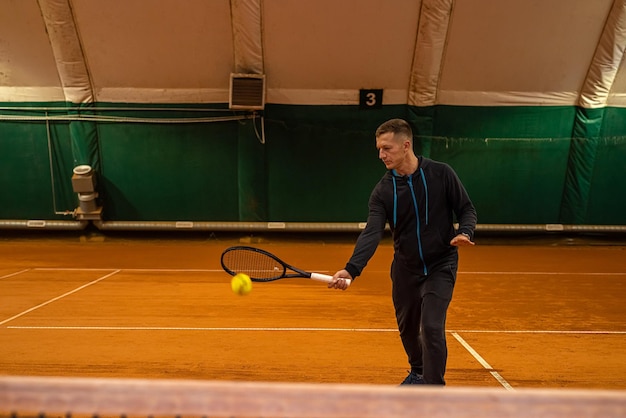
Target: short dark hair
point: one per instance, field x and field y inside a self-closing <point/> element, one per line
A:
<point x="396" y="126"/>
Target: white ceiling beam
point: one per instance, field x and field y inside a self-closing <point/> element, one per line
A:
<point x="67" y="50"/>
<point x="607" y="59"/>
<point x="247" y="29"/>
<point x="430" y="45"/>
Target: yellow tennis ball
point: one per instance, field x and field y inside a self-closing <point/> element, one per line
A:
<point x="241" y="284"/>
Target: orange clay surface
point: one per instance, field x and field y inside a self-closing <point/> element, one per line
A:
<point x="534" y="315"/>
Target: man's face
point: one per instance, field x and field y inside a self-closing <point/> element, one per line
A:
<point x="392" y="150"/>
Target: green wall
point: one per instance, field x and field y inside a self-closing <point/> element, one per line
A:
<point x="35" y="182"/>
<point x="512" y="160"/>
<point x="163" y="172"/>
<point x="317" y="163"/>
<point x="322" y="161"/>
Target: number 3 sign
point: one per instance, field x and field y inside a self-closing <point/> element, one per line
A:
<point x="371" y="99"/>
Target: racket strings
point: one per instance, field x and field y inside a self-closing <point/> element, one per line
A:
<point x="257" y="265"/>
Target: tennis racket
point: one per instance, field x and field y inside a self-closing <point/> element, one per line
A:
<point x="263" y="266"/>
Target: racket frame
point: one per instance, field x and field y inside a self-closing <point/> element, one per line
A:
<point x="297" y="273"/>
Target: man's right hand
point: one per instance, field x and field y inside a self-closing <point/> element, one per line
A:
<point x="341" y="280"/>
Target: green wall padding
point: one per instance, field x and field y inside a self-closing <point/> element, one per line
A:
<point x="252" y="169"/>
<point x="84" y="135"/>
<point x="422" y="120"/>
<point x="512" y="160"/>
<point x="614" y="123"/>
<point x="509" y="179"/>
<point x="61" y="154"/>
<point x="580" y="167"/>
<point x="159" y="172"/>
<point x="322" y="161"/>
<point x="34" y="181"/>
<point x="504" y="122"/>
<point x="607" y="195"/>
<point x="320" y="174"/>
<point x="318" y="163"/>
<point x="24" y="172"/>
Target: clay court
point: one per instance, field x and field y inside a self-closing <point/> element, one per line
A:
<point x="141" y="139"/>
<point x="547" y="313"/>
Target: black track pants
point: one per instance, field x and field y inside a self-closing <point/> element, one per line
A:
<point x="421" y="303"/>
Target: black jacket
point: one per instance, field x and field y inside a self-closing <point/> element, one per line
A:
<point x="435" y="193"/>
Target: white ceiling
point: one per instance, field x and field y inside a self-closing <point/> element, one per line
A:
<point x="483" y="52"/>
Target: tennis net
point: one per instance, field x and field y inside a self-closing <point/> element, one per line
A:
<point x="97" y="397"/>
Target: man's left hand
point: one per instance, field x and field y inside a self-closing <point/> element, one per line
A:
<point x="461" y="240"/>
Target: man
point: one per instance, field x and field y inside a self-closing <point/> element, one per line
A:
<point x="418" y="198"/>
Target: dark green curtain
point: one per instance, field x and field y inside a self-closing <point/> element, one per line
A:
<point x="580" y="165"/>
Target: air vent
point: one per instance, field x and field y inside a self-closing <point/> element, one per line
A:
<point x="247" y="91"/>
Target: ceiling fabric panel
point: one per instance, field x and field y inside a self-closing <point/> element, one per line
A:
<point x="28" y="71"/>
<point x="316" y="52"/>
<point x="157" y="51"/>
<point x="324" y="51"/>
<point x="520" y="52"/>
<point x="247" y="36"/>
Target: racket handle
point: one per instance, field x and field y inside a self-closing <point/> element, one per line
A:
<point x="326" y="278"/>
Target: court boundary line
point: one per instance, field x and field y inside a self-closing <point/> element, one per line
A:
<point x="483" y="362"/>
<point x="546" y="273"/>
<point x="298" y="329"/>
<point x="14" y="274"/>
<point x="526" y="273"/>
<point x="58" y="298"/>
<point x="455" y="333"/>
<point x="126" y="269"/>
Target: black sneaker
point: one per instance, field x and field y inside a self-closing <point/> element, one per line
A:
<point x="413" y="379"/>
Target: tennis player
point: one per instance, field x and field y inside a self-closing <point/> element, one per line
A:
<point x="419" y="198"/>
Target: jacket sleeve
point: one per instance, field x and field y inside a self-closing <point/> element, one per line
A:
<point x="370" y="237"/>
<point x="462" y="205"/>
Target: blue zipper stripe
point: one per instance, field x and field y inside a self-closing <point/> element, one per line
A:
<point x="417" y="215"/>
<point x="426" y="191"/>
<point x="395" y="201"/>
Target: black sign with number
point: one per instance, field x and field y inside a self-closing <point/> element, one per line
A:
<point x="371" y="99"/>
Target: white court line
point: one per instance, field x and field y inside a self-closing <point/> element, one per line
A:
<point x="295" y="329"/>
<point x="483" y="363"/>
<point x="545" y="273"/>
<point x="528" y="331"/>
<point x="123" y="269"/>
<point x="57" y="298"/>
<point x="13" y="274"/>
<point x="526" y="273"/>
<point x="109" y="328"/>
